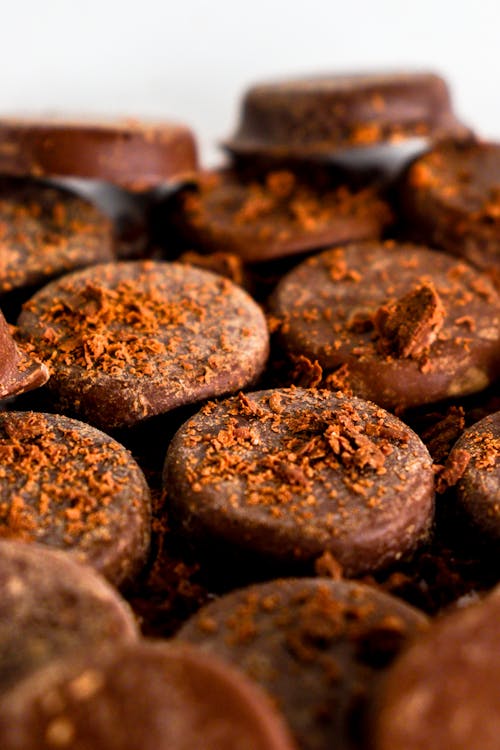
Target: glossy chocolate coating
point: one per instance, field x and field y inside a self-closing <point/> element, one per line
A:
<point x="442" y="337"/>
<point x="321" y="115"/>
<point x="443" y="692"/>
<point x="317" y="646"/>
<point x="133" y="154"/>
<point x="127" y="341"/>
<point x="147" y="696"/>
<point x="289" y="474"/>
<point x="52" y="606"/>
<point x="70" y="486"/>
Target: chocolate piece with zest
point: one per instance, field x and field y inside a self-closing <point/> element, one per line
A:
<point x="317" y="647"/>
<point x="324" y="115"/>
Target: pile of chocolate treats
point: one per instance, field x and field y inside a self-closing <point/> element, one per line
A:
<point x="250" y="428"/>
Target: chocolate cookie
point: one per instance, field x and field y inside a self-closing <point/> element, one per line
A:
<point x="289" y="474"/>
<point x="474" y="466"/>
<point x="51" y="606"/>
<point x="443" y="693"/>
<point x="451" y="198"/>
<point x="405" y="324"/>
<point x="277" y="215"/>
<point x="46" y="231"/>
<point x="68" y="485"/>
<point x="130" y="153"/>
<point x="146" y="696"/>
<point x="18" y="372"/>
<point x="315" y="645"/>
<point x="321" y="115"/>
<point x="127" y="341"/>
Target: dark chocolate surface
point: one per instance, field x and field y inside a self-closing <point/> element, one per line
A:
<point x="277" y="215"/>
<point x="18" y="371"/>
<point x="70" y="486"/>
<point x="399" y="324"/>
<point x="315" y="645"/>
<point x="325" y="114"/>
<point x="289" y="474"/>
<point x="46" y="231"/>
<point x="51" y="606"/>
<point x="147" y="696"/>
<point x="451" y="198"/>
<point x="476" y="456"/>
<point x="133" y="154"/>
<point x="443" y="692"/>
<point x="127" y="341"/>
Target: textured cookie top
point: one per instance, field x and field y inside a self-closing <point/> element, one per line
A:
<point x="127" y="341"/>
<point x="134" y="154"/>
<point x="410" y="325"/>
<point x="291" y="473"/>
<point x="326" y="114"/>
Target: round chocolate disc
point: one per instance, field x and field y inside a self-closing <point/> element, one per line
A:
<point x="443" y="692"/>
<point x="289" y="474"/>
<point x="326" y="114"/>
<point x="146" y="696"/>
<point x="410" y="325"/>
<point x="127" y="341"/>
<point x="317" y="646"/>
<point x="46" y="231"/>
<point x="51" y="606"/>
<point x="68" y="485"/>
<point x="451" y="198"/>
<point x="478" y="489"/>
<point x="133" y="154"/>
<point x="278" y="215"/>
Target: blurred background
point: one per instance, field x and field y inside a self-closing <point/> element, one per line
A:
<point x="190" y="60"/>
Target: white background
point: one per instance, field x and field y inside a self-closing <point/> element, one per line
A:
<point x="190" y="60"/>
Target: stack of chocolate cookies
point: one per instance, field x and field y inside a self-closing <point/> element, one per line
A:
<point x="250" y="427"/>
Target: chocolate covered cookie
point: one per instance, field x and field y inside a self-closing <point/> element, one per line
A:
<point x="398" y="324"/>
<point x="146" y="696"/>
<point x="288" y="474"/>
<point x="46" y="231"/>
<point x="281" y="213"/>
<point x="133" y="154"/>
<point x="315" y="645"/>
<point x="127" y="341"/>
<point x="52" y="606"/>
<point x="322" y="115"/>
<point x="68" y="485"/>
<point x="443" y="692"/>
<point x="451" y="198"/>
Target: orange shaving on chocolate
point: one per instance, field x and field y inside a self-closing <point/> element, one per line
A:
<point x="407" y="327"/>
